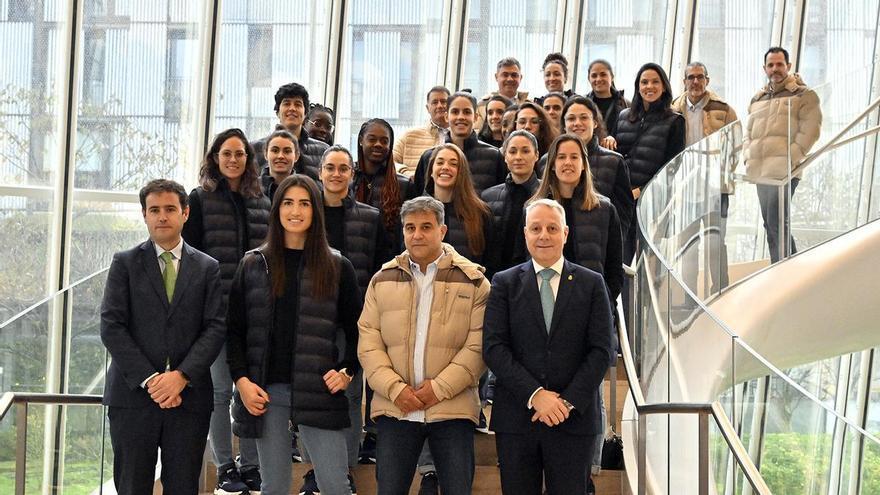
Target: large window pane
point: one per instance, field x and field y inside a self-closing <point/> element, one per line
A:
<point x="730" y="37"/>
<point x="264" y="44"/>
<point x="627" y="33"/>
<point x="498" y="29"/>
<point x="138" y="118"/>
<point x="393" y="59"/>
<point x="32" y="82"/>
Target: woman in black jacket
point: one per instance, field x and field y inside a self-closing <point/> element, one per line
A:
<point x="506" y="201"/>
<point x="594" y="239"/>
<point x="376" y="181"/>
<point x="288" y="299"/>
<point x="229" y="215"/>
<point x="607" y="97"/>
<point x="582" y="118"/>
<point x="468" y="220"/>
<point x="649" y="134"/>
<point x="492" y="133"/>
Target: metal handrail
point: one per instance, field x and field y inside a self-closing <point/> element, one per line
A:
<point x="51" y="296"/>
<point x="22" y="400"/>
<point x="703" y="410"/>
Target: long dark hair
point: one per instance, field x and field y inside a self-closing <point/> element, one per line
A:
<point x="209" y="172"/>
<point x="390" y="194"/>
<point x="637" y="109"/>
<point x="546" y="132"/>
<point x="550" y="182"/>
<point x="317" y="258"/>
<point x="469" y="208"/>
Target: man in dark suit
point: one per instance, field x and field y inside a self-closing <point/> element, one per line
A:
<point x="547" y="337"/>
<point x="162" y="323"/>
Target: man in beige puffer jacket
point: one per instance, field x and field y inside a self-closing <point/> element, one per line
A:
<point x="420" y="346"/>
<point x="784" y="123"/>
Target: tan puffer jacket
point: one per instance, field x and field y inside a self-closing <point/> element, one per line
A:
<point x="716" y="114"/>
<point x="453" y="355"/>
<point x="409" y="147"/>
<point x="766" y="141"/>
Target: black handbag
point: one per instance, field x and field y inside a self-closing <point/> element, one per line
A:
<point x="612" y="452"/>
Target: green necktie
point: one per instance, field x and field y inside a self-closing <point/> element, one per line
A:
<point x="169" y="276"/>
<point x="547" y="300"/>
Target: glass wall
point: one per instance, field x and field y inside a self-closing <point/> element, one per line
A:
<point x="499" y="29"/>
<point x="263" y="45"/>
<point x="392" y="58"/>
<point x="627" y="33"/>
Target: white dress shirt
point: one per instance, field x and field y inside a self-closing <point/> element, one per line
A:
<point x="554" y="284"/>
<point x="424" y="300"/>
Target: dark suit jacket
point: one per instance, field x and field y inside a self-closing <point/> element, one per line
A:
<point x="571" y="360"/>
<point x="141" y="329"/>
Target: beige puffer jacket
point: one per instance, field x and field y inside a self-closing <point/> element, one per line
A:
<point x="453" y="355"/>
<point x="766" y="141"/>
<point x="409" y="147"/>
<point x="716" y="114"/>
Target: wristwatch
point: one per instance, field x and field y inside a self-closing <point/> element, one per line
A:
<point x="567" y="404"/>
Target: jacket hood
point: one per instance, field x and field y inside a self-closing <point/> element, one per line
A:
<point x="473" y="270"/>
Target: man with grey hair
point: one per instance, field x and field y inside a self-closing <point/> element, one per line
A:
<point x="420" y="347"/>
<point x="547" y="337"/>
<point x="508" y="75"/>
<point x="704" y="111"/>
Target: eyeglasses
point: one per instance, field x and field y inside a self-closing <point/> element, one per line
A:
<point x="696" y="77"/>
<point x="229" y="155"/>
<point x="523" y="122"/>
<point x="332" y="169"/>
<point x="322" y="123"/>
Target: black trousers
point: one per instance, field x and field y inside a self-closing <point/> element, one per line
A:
<point x="137" y="434"/>
<point x="543" y="454"/>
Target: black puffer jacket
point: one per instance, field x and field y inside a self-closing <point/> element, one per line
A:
<point x="612" y="116"/>
<point x="375" y="183"/>
<point x="506" y="201"/>
<point x="310" y="152"/>
<point x="648" y="144"/>
<point x="595" y="240"/>
<point x="214" y="227"/>
<point x="611" y="179"/>
<point x="249" y="336"/>
<point x="485" y="161"/>
<point x="363" y="240"/>
<point x="457" y="237"/>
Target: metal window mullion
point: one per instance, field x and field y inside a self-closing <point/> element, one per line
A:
<point x="669" y="33"/>
<point x="455" y="43"/>
<point x="778" y="23"/>
<point x="335" y="62"/>
<point x="210" y="42"/>
<point x="573" y="37"/>
<point x="798" y="32"/>
<point x="871" y="142"/>
<point x="862" y="403"/>
<point x="844" y="375"/>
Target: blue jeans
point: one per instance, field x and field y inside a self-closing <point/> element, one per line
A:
<point x="399" y="444"/>
<point x="598" y="441"/>
<point x="355" y="393"/>
<point x="327" y="447"/>
<point x="220" y="431"/>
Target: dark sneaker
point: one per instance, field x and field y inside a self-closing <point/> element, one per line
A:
<point x="367" y="454"/>
<point x="295" y="456"/>
<point x="250" y="476"/>
<point x="483" y="427"/>
<point x="229" y="481"/>
<point x="430" y="485"/>
<point x="351" y="485"/>
<point x="310" y="484"/>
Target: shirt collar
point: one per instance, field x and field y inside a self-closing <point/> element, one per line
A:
<point x="414" y="267"/>
<point x="694" y="107"/>
<point x="556" y="267"/>
<point x="176" y="251"/>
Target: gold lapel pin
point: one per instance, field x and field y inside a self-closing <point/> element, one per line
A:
<point x="570" y="277"/>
